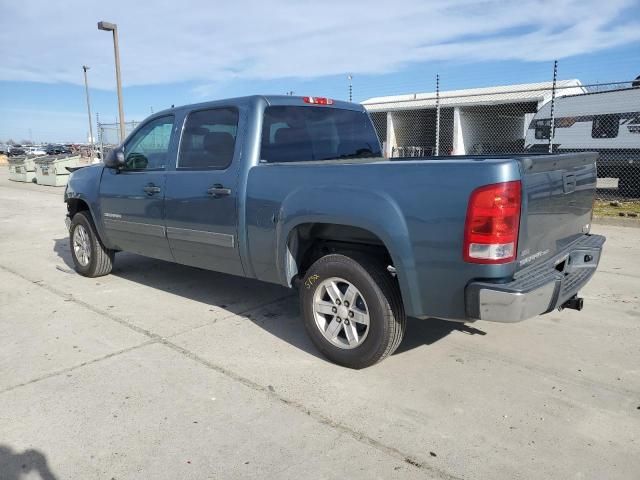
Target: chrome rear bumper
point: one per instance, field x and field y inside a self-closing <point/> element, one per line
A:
<point x="538" y="289"/>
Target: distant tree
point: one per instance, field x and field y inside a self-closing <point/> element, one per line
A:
<point x="11" y="142"/>
<point x="26" y="142"/>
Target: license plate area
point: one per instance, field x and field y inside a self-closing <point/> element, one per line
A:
<point x="578" y="260"/>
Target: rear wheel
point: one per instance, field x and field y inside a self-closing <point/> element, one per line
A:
<point x="90" y="257"/>
<point x="352" y="309"/>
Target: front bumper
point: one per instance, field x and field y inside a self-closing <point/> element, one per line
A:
<point x="538" y="289"/>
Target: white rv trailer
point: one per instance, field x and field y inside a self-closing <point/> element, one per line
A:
<point x="607" y="122"/>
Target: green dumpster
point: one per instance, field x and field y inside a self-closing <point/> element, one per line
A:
<point x="51" y="170"/>
<point x="22" y="168"/>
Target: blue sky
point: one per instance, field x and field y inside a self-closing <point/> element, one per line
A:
<point x="186" y="52"/>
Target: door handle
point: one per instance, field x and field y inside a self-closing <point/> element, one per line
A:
<point x="218" y="191"/>
<point x="151" y="189"/>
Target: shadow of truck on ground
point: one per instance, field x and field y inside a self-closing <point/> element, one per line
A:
<point x="280" y="318"/>
<point x="17" y="465"/>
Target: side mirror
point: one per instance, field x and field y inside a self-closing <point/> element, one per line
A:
<point x="115" y="158"/>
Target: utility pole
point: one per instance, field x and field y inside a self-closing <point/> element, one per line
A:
<point x="113" y="28"/>
<point x="86" y="88"/>
<point x="350" y="87"/>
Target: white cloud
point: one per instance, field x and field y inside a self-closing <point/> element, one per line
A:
<point x="214" y="41"/>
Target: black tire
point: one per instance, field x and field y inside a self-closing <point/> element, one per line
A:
<point x="380" y="292"/>
<point x="100" y="260"/>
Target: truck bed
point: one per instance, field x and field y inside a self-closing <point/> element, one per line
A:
<point x="420" y="205"/>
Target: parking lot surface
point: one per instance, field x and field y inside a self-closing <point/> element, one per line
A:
<point x="162" y="371"/>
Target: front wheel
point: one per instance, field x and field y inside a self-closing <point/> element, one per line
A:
<point x="352" y="310"/>
<point x="90" y="257"/>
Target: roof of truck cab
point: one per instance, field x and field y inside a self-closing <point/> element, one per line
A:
<point x="271" y="100"/>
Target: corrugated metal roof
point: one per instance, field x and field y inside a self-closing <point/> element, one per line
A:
<point x="525" y="92"/>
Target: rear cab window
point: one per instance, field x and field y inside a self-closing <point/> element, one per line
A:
<point x="306" y="133"/>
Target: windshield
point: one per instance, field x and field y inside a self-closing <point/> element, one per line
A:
<point x="301" y="134"/>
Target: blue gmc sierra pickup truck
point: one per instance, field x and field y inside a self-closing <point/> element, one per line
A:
<point x="296" y="191"/>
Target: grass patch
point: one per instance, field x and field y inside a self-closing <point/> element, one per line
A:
<point x="606" y="208"/>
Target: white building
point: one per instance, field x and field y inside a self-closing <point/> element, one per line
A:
<point x="476" y="120"/>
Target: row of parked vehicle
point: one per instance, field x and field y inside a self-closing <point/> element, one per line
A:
<point x="38" y="150"/>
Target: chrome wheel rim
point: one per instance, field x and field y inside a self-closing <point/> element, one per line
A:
<point x="341" y="313"/>
<point x="82" y="245"/>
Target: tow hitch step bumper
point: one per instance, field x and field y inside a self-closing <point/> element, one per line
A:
<point x="539" y="289"/>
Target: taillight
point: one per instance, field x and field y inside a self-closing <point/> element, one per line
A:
<point x="318" y="100"/>
<point x="493" y="220"/>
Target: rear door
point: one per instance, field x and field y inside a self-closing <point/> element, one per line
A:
<point x="201" y="194"/>
<point x="558" y="195"/>
<point x="131" y="199"/>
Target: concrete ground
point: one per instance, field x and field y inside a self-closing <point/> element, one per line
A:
<point x="160" y="371"/>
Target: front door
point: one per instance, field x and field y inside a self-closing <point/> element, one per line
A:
<point x="131" y="199"/>
<point x="201" y="194"/>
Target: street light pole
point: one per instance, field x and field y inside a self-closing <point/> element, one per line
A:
<point x="86" y="88"/>
<point x="112" y="27"/>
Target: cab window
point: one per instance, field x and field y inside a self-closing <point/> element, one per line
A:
<point x="209" y="139"/>
<point x="304" y="134"/>
<point x="148" y="149"/>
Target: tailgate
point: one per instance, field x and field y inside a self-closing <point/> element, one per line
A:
<point x="557" y="201"/>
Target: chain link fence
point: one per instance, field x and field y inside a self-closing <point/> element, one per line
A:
<point x="109" y="135"/>
<point x="554" y="116"/>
